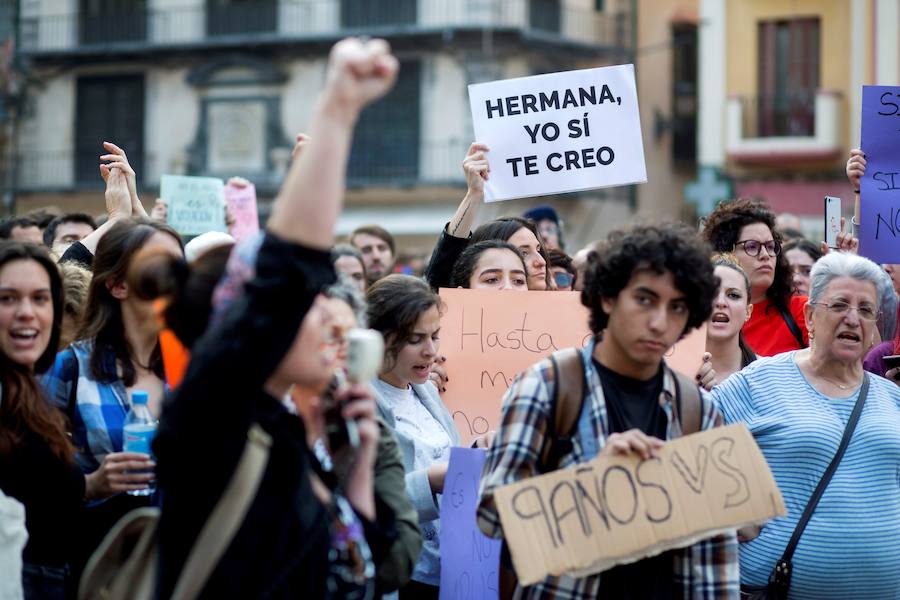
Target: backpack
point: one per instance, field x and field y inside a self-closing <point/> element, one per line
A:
<point x="568" y="399"/>
<point x="124" y="566"/>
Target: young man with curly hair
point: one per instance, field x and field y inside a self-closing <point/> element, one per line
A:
<point x="647" y="288"/>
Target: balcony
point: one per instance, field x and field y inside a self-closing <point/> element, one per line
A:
<point x="434" y="163"/>
<point x="799" y="128"/>
<point x="270" y="22"/>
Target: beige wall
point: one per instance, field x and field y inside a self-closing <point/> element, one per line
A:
<point x="662" y="195"/>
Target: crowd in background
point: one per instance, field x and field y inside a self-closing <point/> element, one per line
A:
<point x="244" y="347"/>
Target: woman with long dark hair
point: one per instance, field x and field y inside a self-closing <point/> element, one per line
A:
<point x="37" y="465"/>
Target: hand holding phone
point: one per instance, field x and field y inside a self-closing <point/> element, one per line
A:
<point x="832" y="220"/>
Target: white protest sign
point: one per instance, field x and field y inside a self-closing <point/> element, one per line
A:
<point x="195" y="204"/>
<point x="561" y="132"/>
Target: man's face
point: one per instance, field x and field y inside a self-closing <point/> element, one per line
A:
<point x="27" y="234"/>
<point x="69" y="233"/>
<point x="376" y="254"/>
<point x="645" y="320"/>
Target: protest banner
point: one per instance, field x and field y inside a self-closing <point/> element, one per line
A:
<point x="879" y="201"/>
<point x="561" y="132"/>
<point x="470" y="561"/>
<point x="616" y="510"/>
<point x="195" y="204"/>
<point x="490" y="336"/>
<point x="241" y="201"/>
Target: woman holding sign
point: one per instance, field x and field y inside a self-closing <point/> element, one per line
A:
<point x="800" y="407"/>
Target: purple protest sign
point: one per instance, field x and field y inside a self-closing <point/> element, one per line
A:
<point x="879" y="204"/>
<point x="470" y="561"/>
<point x="241" y="201"/>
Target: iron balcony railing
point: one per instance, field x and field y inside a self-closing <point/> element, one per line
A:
<point x="779" y="115"/>
<point x="430" y="164"/>
<point x="212" y="22"/>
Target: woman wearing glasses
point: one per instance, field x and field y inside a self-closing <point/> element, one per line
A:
<point x="746" y="228"/>
<point x="797" y="406"/>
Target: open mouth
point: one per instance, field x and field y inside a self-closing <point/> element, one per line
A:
<point x="422" y="370"/>
<point x="25" y="334"/>
<point x="720" y="317"/>
<point x="848" y="336"/>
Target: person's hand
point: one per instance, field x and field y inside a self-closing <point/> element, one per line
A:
<point x="437" y="473"/>
<point x="118" y="200"/>
<point x="748" y="533"/>
<point x="706" y="375"/>
<point x="300" y="141"/>
<point x="359" y="72"/>
<point x="856" y="167"/>
<point x="476" y="168"/>
<point x="117" y="158"/>
<point x="893" y="375"/>
<point x="119" y="472"/>
<point x="485" y="441"/>
<point x="160" y="211"/>
<point x="438" y="374"/>
<point x="845" y="241"/>
<point x="633" y="441"/>
<point x="360" y="407"/>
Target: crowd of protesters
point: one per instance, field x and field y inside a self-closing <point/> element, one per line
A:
<point x="244" y="352"/>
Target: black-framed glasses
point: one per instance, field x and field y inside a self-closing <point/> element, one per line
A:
<point x="840" y="309"/>
<point x="753" y="247"/>
<point x="563" y="279"/>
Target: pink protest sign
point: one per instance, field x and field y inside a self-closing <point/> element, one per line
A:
<point x="241" y="202"/>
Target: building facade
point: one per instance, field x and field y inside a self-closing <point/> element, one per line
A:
<point x="220" y="88"/>
<point x="780" y="96"/>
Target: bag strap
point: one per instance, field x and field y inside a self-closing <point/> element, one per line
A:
<point x="227" y="516"/>
<point x="568" y="397"/>
<point x="829" y="472"/>
<point x="688" y="405"/>
<point x="792" y="325"/>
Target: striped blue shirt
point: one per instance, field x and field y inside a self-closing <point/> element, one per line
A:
<point x="851" y="546"/>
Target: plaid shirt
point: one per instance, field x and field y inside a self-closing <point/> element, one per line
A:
<point x="708" y="569"/>
<point x="98" y="414"/>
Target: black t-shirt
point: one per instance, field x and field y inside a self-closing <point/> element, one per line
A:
<point x="634" y="404"/>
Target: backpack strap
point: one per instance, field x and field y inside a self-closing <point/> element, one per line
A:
<point x="568" y="397"/>
<point x="688" y="405"/>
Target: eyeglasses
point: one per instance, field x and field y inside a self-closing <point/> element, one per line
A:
<point x="753" y="247"/>
<point x="563" y="279"/>
<point x="867" y="313"/>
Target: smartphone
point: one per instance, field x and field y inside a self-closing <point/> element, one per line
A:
<point x="832" y="220"/>
<point x="891" y="362"/>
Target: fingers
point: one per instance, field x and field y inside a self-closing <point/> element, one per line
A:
<point x="633" y="441"/>
<point x="113" y="148"/>
<point x="238" y="182"/>
<point x="359" y="409"/>
<point x="893" y="374"/>
<point x="477" y="147"/>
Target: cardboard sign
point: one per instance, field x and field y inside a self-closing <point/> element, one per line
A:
<point x="561" y="132"/>
<point x="879" y="203"/>
<point x="490" y="336"/>
<point x="611" y="511"/>
<point x="470" y="561"/>
<point x="195" y="204"/>
<point x="241" y="203"/>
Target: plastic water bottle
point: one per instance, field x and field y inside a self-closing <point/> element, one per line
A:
<point x="140" y="427"/>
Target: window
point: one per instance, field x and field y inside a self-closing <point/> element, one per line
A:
<point x="372" y="13"/>
<point x="788" y="77"/>
<point x="108" y="109"/>
<point x="106" y="21"/>
<point x="386" y="141"/>
<point x="545" y="15"/>
<point x="227" y="17"/>
<point x="684" y="92"/>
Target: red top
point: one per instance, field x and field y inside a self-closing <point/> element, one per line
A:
<point x="767" y="333"/>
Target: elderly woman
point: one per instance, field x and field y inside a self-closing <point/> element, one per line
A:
<point x="798" y="405"/>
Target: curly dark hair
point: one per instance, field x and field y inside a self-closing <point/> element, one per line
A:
<point x="659" y="248"/>
<point x="723" y="229"/>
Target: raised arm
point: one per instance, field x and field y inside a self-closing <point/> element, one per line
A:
<point x="311" y="198"/>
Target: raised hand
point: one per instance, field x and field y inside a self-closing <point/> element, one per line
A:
<point x="300" y="141"/>
<point x="359" y="72"/>
<point x="476" y="167"/>
<point x="117" y="158"/>
<point x="118" y="199"/>
<point x="856" y="167"/>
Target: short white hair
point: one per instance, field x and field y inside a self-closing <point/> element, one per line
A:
<point x="842" y="264"/>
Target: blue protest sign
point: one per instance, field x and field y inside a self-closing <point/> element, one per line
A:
<point x="879" y="230"/>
